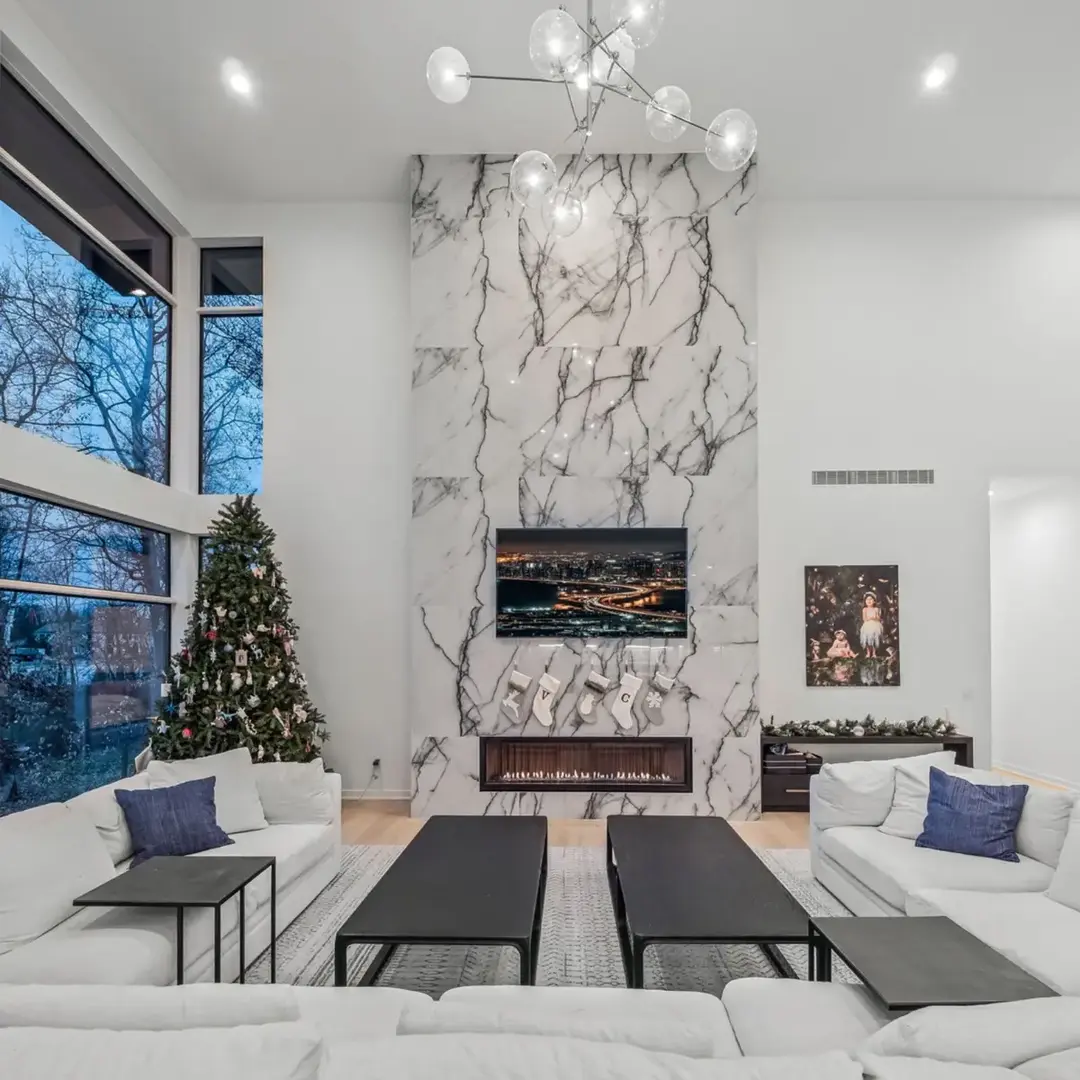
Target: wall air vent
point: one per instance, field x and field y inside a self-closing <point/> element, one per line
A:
<point x="848" y="477"/>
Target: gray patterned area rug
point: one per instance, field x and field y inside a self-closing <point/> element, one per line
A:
<point x="578" y="947"/>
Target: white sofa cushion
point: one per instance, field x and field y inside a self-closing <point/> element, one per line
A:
<point x="894" y="867"/>
<point x="48" y="856"/>
<point x="1065" y="886"/>
<point x="908" y="811"/>
<point x="685" y="1006"/>
<point x="668" y="1034"/>
<point x="297" y="849"/>
<point x="294" y="792"/>
<point x="1005" y="1035"/>
<point x="269" y="1052"/>
<point x="861" y="792"/>
<point x="236" y="797"/>
<point x="1033" y="931"/>
<point x="354" y="1014"/>
<point x="818" y="1017"/>
<point x="532" y="1057"/>
<point x="135" y="1008"/>
<point x="101" y="807"/>
<point x="1063" y="1066"/>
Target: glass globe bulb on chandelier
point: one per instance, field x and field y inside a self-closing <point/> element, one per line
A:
<point x="585" y="57"/>
<point x="562" y="212"/>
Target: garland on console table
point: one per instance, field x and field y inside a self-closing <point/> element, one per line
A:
<point x="924" y="727"/>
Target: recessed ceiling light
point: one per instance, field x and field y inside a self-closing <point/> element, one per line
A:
<point x="940" y="72"/>
<point x="237" y="79"/>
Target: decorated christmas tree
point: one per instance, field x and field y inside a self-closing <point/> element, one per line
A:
<point x="236" y="681"/>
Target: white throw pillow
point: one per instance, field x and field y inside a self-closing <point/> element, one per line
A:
<point x="859" y="792"/>
<point x="1065" y="884"/>
<point x="101" y="807"/>
<point x="294" y="793"/>
<point x="269" y="1052"/>
<point x="908" y="811"/>
<point x="146" y="1008"/>
<point x="1005" y="1035"/>
<point x="48" y="856"/>
<point x="236" y="797"/>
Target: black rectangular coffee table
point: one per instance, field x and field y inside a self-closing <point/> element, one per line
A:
<point x="691" y="880"/>
<point x="463" y="880"/>
<point x="910" y="963"/>
<point x="183" y="881"/>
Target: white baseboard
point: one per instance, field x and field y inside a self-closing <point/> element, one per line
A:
<point x="1046" y="778"/>
<point x="390" y="794"/>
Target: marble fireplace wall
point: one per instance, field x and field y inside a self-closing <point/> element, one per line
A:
<point x="606" y="379"/>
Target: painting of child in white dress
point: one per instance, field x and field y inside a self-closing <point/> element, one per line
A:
<point x="852" y="626"/>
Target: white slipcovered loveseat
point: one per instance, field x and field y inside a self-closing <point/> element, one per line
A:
<point x="864" y="818"/>
<point x="51" y="854"/>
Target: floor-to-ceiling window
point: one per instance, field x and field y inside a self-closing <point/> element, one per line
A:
<point x="232" y="371"/>
<point x="85" y="327"/>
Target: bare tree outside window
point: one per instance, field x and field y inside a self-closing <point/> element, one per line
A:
<point x="80" y="362"/>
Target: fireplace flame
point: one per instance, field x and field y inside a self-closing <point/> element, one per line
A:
<point x="559" y="777"/>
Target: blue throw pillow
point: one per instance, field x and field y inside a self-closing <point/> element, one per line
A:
<point x="177" y="820"/>
<point x="972" y="819"/>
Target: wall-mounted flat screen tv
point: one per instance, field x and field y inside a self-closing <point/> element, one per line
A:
<point x="586" y="583"/>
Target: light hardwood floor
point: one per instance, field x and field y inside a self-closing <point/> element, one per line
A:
<point x="388" y="822"/>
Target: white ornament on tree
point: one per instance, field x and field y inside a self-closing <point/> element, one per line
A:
<point x="241" y="658"/>
<point x="237" y="680"/>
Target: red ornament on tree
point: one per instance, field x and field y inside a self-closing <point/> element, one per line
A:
<point x="211" y="635"/>
<point x="186" y="733"/>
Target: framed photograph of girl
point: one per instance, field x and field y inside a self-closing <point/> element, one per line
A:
<point x="852" y="626"/>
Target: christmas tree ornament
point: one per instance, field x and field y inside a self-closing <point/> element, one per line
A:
<point x="258" y="571"/>
<point x="181" y="709"/>
<point x="232" y="614"/>
<point x="253" y="598"/>
<point x="219" y="612"/>
<point x="206" y="684"/>
<point x="300" y="713"/>
<point x="258" y="652"/>
<point x="186" y="733"/>
<point x="248" y="680"/>
<point x="544" y="698"/>
<point x="261" y="754"/>
<point x="622" y="710"/>
<point x="237" y="680"/>
<point x="241" y="658"/>
<point x="253" y="701"/>
<point x="213" y="655"/>
<point x="166" y="690"/>
<point x="271" y="682"/>
<point x="596" y="686"/>
<point x="263" y="628"/>
<point x="227" y="647"/>
<point x="211" y="634"/>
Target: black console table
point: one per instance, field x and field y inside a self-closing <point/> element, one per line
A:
<point x="791" y="791"/>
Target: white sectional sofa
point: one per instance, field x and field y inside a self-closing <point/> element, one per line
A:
<point x="764" y="1029"/>
<point x="51" y="854"/>
<point x="864" y="817"/>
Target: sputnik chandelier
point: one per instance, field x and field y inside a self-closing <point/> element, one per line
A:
<point x="597" y="64"/>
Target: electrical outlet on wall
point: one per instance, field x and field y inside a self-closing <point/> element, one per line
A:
<point x="376" y="766"/>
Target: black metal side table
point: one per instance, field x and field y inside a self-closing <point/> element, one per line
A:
<point x="181" y="881"/>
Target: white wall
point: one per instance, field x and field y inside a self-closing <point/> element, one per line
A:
<point x="337" y="473"/>
<point x="1035" y="597"/>
<point x="907" y="335"/>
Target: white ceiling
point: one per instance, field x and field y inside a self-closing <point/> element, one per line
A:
<point x="833" y="84"/>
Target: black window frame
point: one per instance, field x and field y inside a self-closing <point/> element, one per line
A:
<point x="210" y="311"/>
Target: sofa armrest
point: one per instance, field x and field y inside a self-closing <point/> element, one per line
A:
<point x="333" y="782"/>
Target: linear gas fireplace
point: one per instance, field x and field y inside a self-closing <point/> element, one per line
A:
<point x="581" y="763"/>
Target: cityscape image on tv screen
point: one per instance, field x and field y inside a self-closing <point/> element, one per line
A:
<point x="590" y="583"/>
